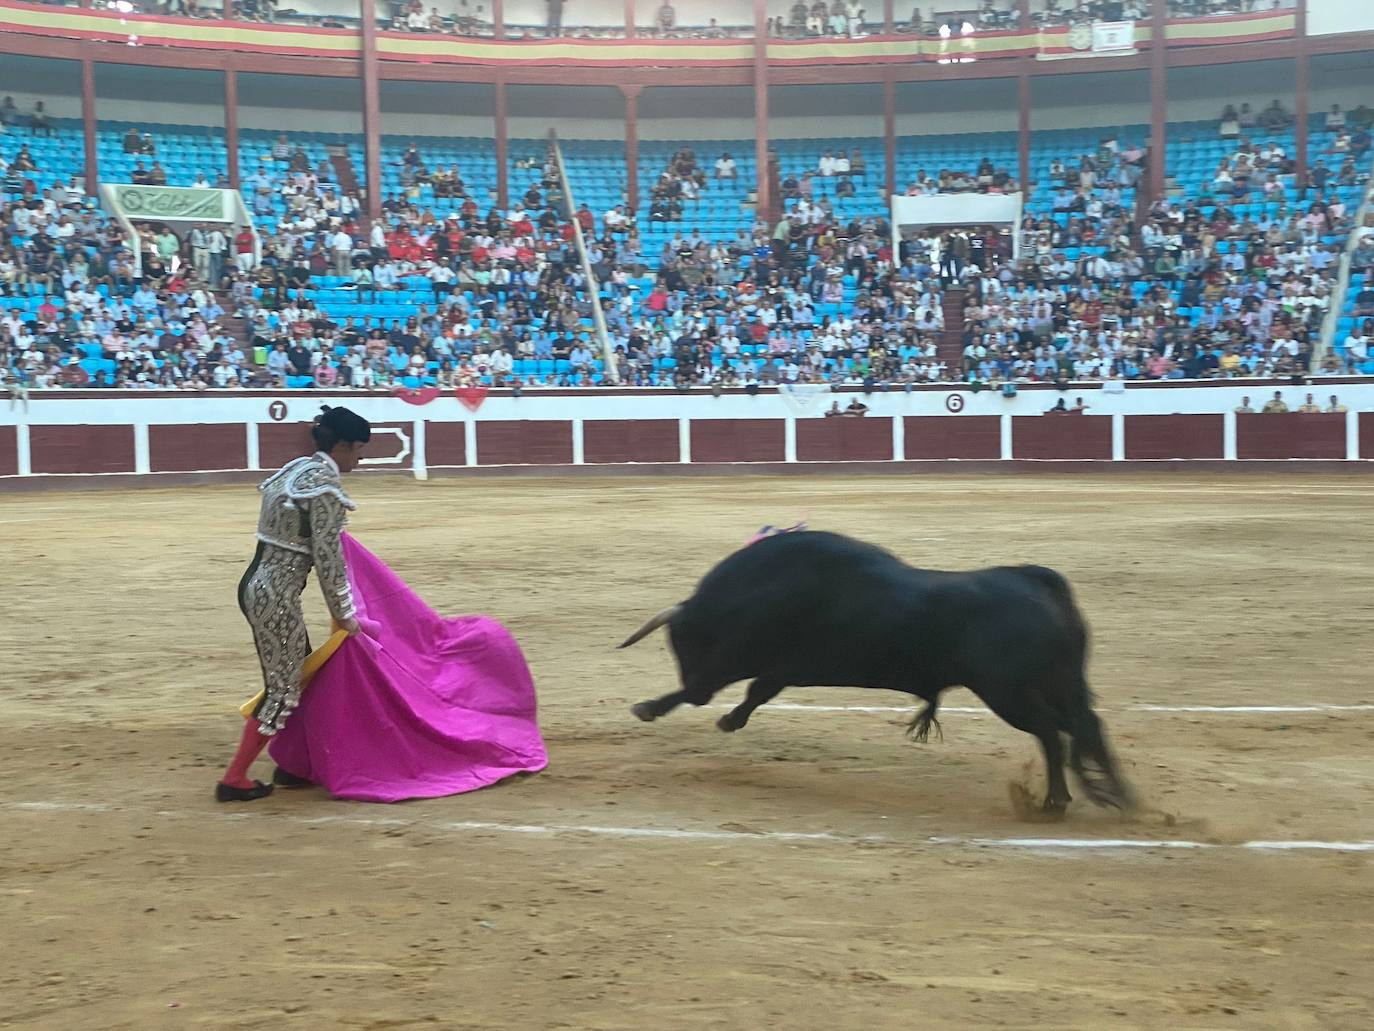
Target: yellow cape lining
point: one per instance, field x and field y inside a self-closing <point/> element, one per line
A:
<point x="313" y="662"/>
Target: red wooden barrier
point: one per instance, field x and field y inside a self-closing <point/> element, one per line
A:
<point x="616" y="441"/>
<point x="1290" y="435"/>
<point x="1061" y="436"/>
<point x="1173" y="436"/>
<point x="1367" y="435"/>
<point x="524" y="442"/>
<point x="953" y="436"/>
<point x="81" y="449"/>
<point x="197" y="447"/>
<point x="279" y="442"/>
<point x="737" y="440"/>
<point x="9" y="451"/>
<point x="446" y="443"/>
<point x="844" y="439"/>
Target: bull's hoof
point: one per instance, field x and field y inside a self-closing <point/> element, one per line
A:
<point x="644" y="711"/>
<point x="729" y="723"/>
<point x="1055" y="806"/>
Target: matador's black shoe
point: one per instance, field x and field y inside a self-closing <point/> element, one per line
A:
<point x="229" y="793"/>
<point x="285" y="779"/>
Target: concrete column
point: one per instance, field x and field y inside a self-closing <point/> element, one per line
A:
<point x="1228" y="435"/>
<point x="88" y="118"/>
<point x="372" y="114"/>
<point x="763" y="189"/>
<point x="578" y="446"/>
<point x="502" y="172"/>
<point x="1023" y="131"/>
<point x="231" y="125"/>
<point x="142" y="463"/>
<point x="419" y="460"/>
<point x="1158" y="96"/>
<point x="890" y="135"/>
<point x="631" y="94"/>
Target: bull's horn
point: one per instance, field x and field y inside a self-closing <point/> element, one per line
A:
<point x="666" y="616"/>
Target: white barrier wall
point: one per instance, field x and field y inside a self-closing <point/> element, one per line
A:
<point x="80" y="434"/>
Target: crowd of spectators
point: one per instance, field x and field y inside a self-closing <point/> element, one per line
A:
<point x="1195" y="289"/>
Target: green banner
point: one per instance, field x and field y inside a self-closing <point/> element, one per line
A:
<point x="171" y="202"/>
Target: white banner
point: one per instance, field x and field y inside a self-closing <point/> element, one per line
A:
<point x="957" y="209"/>
<point x="1113" y="35"/>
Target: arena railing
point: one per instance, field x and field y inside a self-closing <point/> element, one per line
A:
<point x="1336" y="302"/>
<point x="612" y="372"/>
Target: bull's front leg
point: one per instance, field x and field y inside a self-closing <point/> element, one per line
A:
<point x="760" y="691"/>
<point x="696" y="691"/>
<point x="655" y="707"/>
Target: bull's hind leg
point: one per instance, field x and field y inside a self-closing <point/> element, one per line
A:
<point x="760" y="691"/>
<point x="1025" y="710"/>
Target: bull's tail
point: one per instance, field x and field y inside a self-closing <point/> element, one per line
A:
<point x="1089" y="756"/>
<point x="662" y="619"/>
<point x="1062" y="593"/>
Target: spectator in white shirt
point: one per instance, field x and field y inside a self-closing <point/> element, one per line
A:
<point x="725" y="167"/>
<point x="341" y="246"/>
<point x="826" y="166"/>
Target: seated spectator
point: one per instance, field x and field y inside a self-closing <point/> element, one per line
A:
<point x="725" y="167"/>
<point x="1335" y="119"/>
<point x="39" y="121"/>
<point x="1230" y="124"/>
<point x="1275" y="117"/>
<point x="1275" y="405"/>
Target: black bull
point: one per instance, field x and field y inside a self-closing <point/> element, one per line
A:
<point x="808" y="609"/>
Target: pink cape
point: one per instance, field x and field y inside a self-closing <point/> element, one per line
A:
<point x="417" y="705"/>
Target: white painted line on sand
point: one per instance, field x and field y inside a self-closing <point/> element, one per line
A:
<point x="980" y="711"/>
<point x="1048" y="845"/>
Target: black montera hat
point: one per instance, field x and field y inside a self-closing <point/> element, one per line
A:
<point x="344" y="424"/>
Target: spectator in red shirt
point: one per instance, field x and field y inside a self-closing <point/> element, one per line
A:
<point x="243" y="250"/>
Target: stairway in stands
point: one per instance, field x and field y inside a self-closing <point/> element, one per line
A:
<point x="343" y="168"/>
<point x="952" y="338"/>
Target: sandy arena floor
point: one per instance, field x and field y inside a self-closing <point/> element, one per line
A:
<point x="821" y="874"/>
